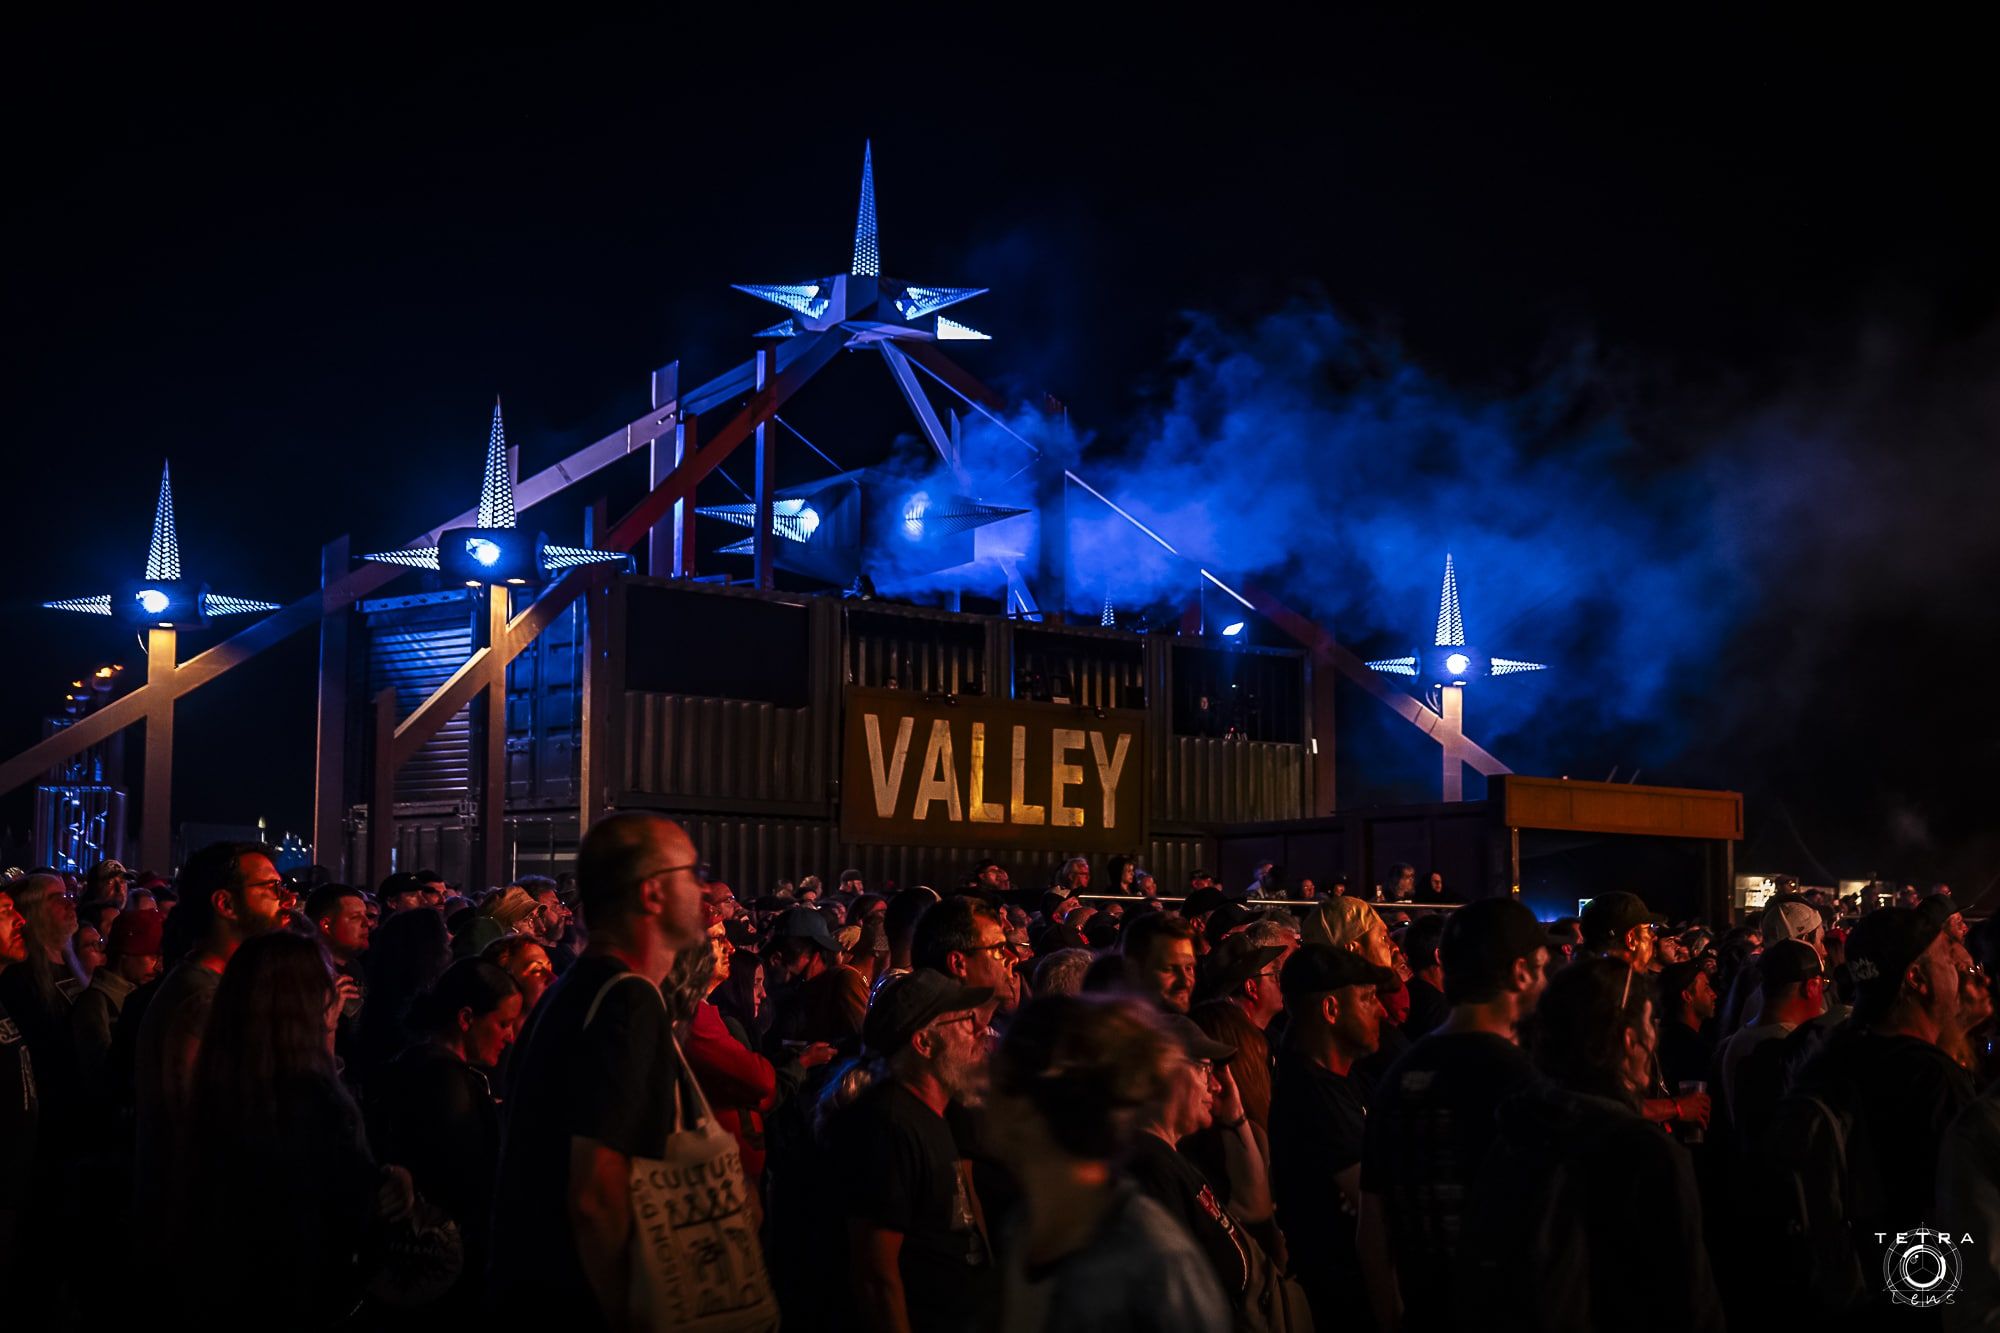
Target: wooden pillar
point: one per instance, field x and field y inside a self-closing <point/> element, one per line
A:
<point x="763" y="541"/>
<point x="329" y="830"/>
<point x="1454" y="727"/>
<point x="156" y="825"/>
<point x="594" y="758"/>
<point x="492" y="803"/>
<point x="382" y="788"/>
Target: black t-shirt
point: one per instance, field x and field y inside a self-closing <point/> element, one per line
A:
<point x="1176" y="1184"/>
<point x="1429" y="1126"/>
<point x="612" y="1081"/>
<point x="1685" y="1055"/>
<point x="20" y="1114"/>
<point x="898" y="1170"/>
<point x="1427" y="1009"/>
<point x="1318" y="1121"/>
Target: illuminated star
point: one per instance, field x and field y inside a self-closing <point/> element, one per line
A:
<point x="1449" y="661"/>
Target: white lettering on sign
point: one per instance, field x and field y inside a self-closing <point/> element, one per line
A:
<point x="977" y="809"/>
<point x="1108" y="772"/>
<point x="1018" y="809"/>
<point x="1063" y="776"/>
<point x="939" y="780"/>
<point x="887" y="784"/>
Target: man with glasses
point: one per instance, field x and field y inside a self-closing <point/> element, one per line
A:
<point x="1620" y="925"/>
<point x="228" y="893"/>
<point x="965" y="938"/>
<point x="593" y="1085"/>
<point x="915" y="1231"/>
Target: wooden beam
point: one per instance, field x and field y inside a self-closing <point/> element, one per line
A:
<point x="492" y="861"/>
<point x="156" y="820"/>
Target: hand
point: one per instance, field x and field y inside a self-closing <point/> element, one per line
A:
<point x="345" y="992"/>
<point x="1693" y="1109"/>
<point x="397" y="1196"/>
<point x="1228" y="1098"/>
<point x="815" y="1055"/>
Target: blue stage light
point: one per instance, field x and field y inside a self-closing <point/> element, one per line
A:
<point x="484" y="551"/>
<point x="914" y="510"/>
<point x="152" y="601"/>
<point x="808" y="520"/>
<point x="1458" y="664"/>
<point x="1230" y="631"/>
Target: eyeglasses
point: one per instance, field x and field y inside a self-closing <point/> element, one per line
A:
<point x="668" y="870"/>
<point x="970" y="1016"/>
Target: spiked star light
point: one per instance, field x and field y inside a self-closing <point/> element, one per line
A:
<point x="1449" y="661"/>
<point x="495" y="551"/>
<point x="862" y="300"/>
<point x="163" y="599"/>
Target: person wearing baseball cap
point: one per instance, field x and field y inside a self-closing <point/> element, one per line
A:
<point x="1318" y="1112"/>
<point x="108" y="881"/>
<point x="814" y="996"/>
<point x="1200" y="1093"/>
<point x="1888" y="1066"/>
<point x="921" y="1260"/>
<point x="1432" y="1115"/>
<point x="1794" y="984"/>
<point x="1243" y="971"/>
<point x="133" y="959"/>
<point x="1620" y="925"/>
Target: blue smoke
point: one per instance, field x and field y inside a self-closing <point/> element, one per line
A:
<point x="1305" y="456"/>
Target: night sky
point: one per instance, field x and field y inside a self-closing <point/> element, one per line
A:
<point x="300" y="262"/>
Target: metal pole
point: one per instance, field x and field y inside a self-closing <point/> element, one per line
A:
<point x="156" y="825"/>
<point x="761" y="536"/>
<point x="493" y="765"/>
<point x="382" y="788"/>
<point x="330" y="770"/>
<point x="1453" y="702"/>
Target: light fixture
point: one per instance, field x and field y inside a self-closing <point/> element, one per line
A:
<point x="1458" y="664"/>
<point x="1230" y="631"/>
<point x="486" y="552"/>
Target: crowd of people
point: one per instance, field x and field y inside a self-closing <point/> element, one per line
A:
<point x="633" y="1100"/>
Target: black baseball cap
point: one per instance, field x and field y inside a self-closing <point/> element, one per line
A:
<point x="1198" y="1044"/>
<point x="806" y="923"/>
<point x="1201" y="900"/>
<point x="1484" y="937"/>
<point x="906" y="1003"/>
<point x="1313" y="969"/>
<point x="1610" y="915"/>
<point x="1234" y="961"/>
<point x="1881" y="948"/>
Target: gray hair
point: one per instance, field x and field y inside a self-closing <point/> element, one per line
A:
<point x="1061" y="973"/>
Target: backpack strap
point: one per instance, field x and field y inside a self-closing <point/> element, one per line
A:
<point x="686" y="1091"/>
<point x="597" y="1000"/>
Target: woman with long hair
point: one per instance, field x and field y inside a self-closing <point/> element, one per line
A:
<point x="37" y="992"/>
<point x="284" y="1204"/>
<point x="432" y="1110"/>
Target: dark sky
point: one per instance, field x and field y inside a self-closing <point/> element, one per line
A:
<point x="299" y="262"/>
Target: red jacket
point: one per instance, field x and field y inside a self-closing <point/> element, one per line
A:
<point x="739" y="1083"/>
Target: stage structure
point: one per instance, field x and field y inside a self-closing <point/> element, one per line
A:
<point x="687" y="436"/>
<point x="1449" y="664"/>
<point x="162" y="603"/>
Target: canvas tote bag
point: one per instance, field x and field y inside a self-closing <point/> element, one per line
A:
<point x="696" y="1262"/>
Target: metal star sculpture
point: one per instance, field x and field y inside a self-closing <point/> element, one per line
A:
<point x="163" y="599"/>
<point x="862" y="300"/>
<point x="492" y="550"/>
<point x="1450" y="661"/>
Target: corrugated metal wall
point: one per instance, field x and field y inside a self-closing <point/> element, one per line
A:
<point x="754" y="854"/>
<point x="1102" y="672"/>
<point x="414" y="644"/>
<point x="1201" y="781"/>
<point x="933" y="653"/>
<point x="545" y="714"/>
<point x="721" y="748"/>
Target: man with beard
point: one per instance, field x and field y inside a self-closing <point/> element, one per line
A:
<point x="1160" y="960"/>
<point x="919" y="1256"/>
<point x="1432" y="1119"/>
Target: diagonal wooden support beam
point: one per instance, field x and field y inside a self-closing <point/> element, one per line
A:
<point x="485" y="663"/>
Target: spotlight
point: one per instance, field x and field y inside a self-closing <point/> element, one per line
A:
<point x="486" y="552"/>
<point x="152" y="601"/>
<point x="808" y="520"/>
<point x="913" y="514"/>
<point x="1458" y="664"/>
<point x="1230" y="631"/>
